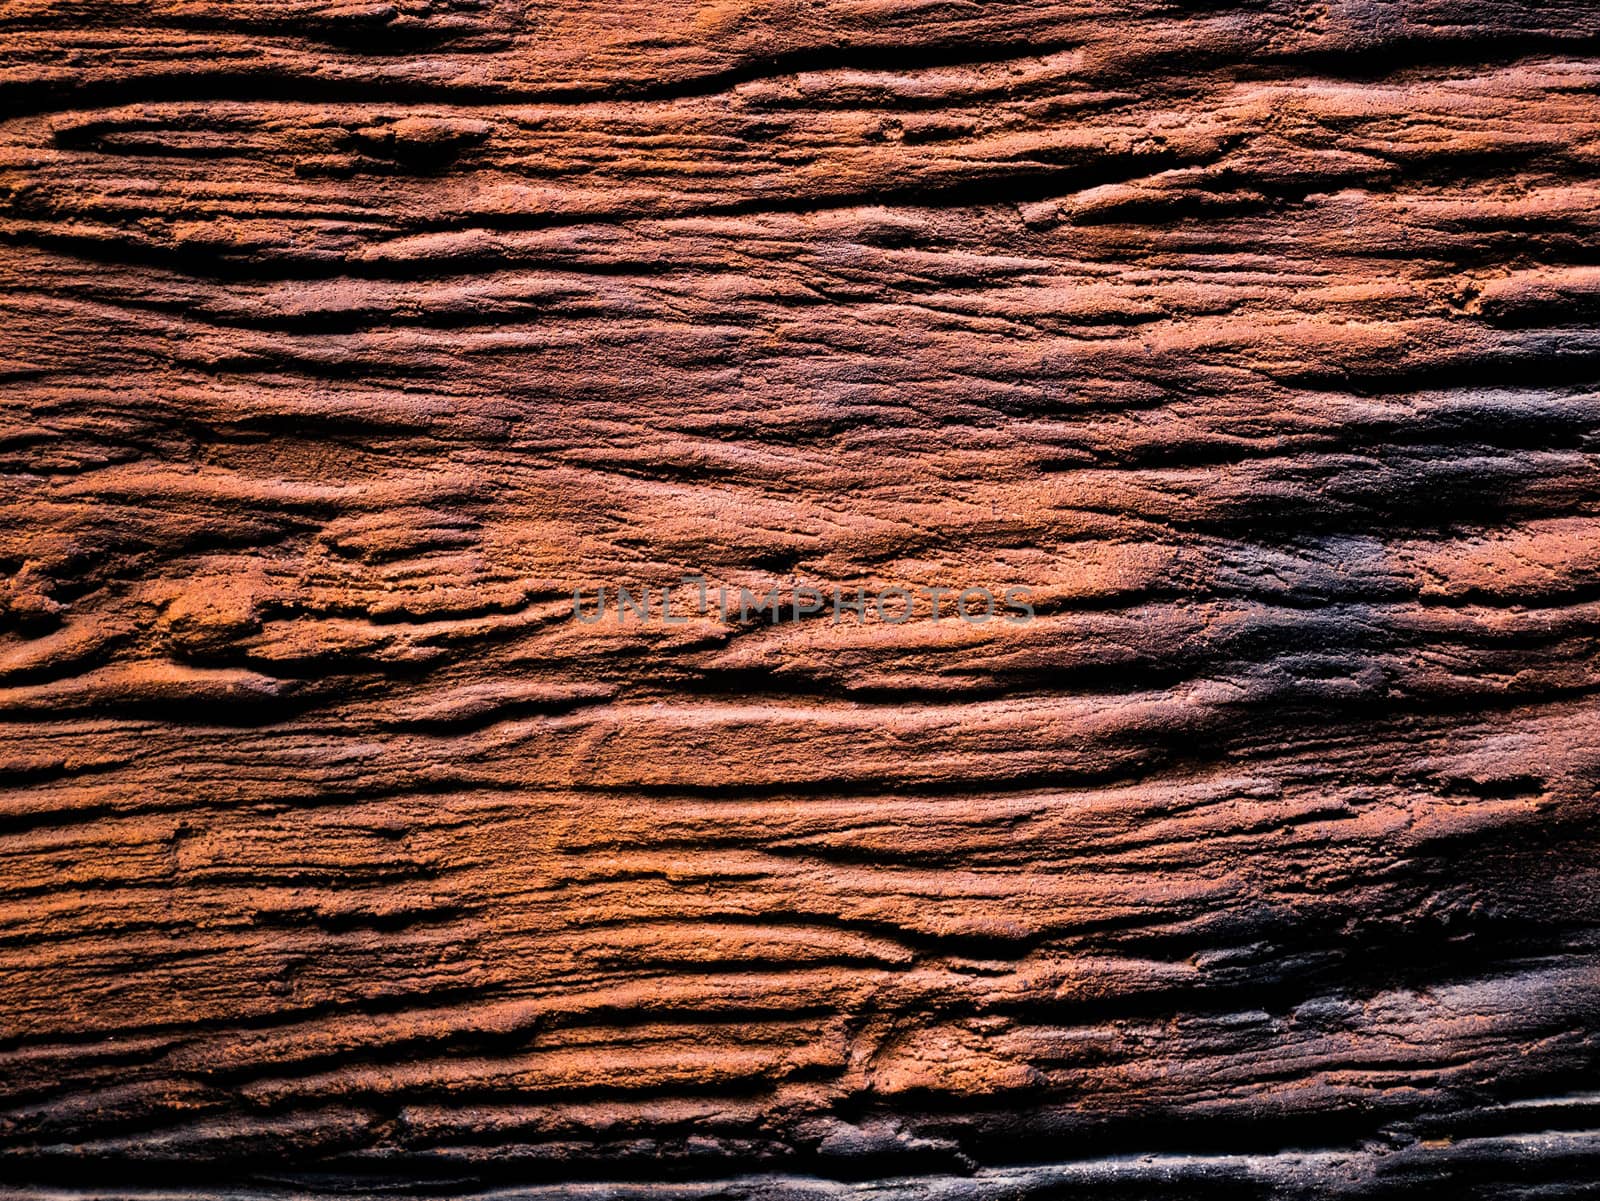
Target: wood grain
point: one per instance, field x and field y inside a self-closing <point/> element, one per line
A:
<point x="344" y="341"/>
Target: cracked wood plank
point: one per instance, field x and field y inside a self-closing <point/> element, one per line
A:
<point x="1258" y="342"/>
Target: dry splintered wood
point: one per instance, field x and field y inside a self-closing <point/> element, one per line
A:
<point x="1260" y="341"/>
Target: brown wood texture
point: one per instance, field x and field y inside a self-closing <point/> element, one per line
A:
<point x="344" y="341"/>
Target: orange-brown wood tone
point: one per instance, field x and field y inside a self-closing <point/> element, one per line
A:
<point x="1259" y="342"/>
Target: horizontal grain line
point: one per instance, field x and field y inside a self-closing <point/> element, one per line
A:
<point x="272" y="84"/>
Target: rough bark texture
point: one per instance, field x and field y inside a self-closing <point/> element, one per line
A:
<point x="344" y="340"/>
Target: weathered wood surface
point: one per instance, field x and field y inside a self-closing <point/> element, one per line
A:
<point x="344" y="341"/>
